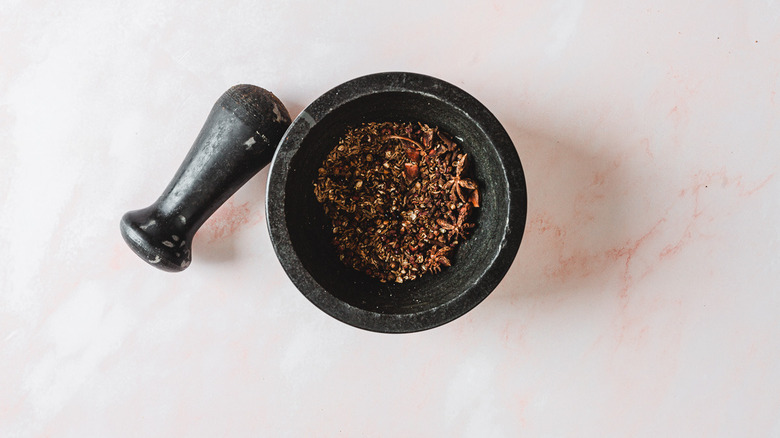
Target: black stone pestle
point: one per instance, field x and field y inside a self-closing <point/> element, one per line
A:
<point x="238" y="139"/>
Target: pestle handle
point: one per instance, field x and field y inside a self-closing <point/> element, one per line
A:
<point x="238" y="139"/>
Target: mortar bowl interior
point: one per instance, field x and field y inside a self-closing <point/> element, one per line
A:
<point x="301" y="233"/>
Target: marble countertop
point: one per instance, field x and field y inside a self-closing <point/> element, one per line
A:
<point x="644" y="299"/>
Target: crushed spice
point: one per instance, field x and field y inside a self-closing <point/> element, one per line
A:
<point x="398" y="197"/>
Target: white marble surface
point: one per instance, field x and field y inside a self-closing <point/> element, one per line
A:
<point x="644" y="300"/>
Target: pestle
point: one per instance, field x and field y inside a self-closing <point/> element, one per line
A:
<point x="238" y="139"/>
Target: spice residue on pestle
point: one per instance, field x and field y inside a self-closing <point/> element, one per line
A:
<point x="398" y="198"/>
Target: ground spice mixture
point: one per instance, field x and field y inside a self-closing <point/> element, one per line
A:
<point x="398" y="198"/>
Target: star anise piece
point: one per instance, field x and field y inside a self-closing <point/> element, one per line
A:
<point x="450" y="145"/>
<point x="459" y="225"/>
<point x="474" y="198"/>
<point x="458" y="183"/>
<point x="427" y="135"/>
<point x="438" y="257"/>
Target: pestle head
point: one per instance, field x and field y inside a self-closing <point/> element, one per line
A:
<point x="163" y="242"/>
